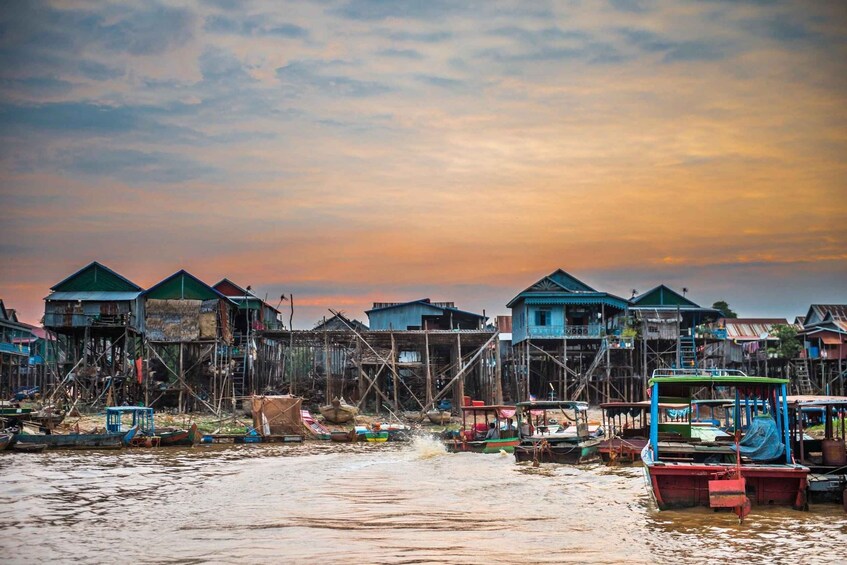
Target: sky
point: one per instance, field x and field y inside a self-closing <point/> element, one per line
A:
<point x="355" y="151"/>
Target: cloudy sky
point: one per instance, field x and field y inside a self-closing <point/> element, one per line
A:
<point x="352" y="151"/>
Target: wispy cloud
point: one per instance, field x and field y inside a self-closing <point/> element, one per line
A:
<point x="352" y="150"/>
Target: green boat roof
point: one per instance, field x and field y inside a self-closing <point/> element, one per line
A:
<point x="718" y="379"/>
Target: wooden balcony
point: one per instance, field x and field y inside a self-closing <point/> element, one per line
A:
<point x="592" y="331"/>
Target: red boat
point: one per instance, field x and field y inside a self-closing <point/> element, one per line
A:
<point x="683" y="472"/>
<point x="627" y="428"/>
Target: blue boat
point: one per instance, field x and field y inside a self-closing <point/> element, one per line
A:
<point x="79" y="441"/>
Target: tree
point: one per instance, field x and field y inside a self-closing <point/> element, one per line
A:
<point x="789" y="346"/>
<point x="723" y="306"/>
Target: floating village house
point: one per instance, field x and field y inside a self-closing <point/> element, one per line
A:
<point x="824" y="335"/>
<point x="14" y="351"/>
<point x="188" y="330"/>
<point x="257" y="359"/>
<point x="667" y="323"/>
<point x="563" y="331"/>
<point x="745" y="342"/>
<point x="97" y="314"/>
<point x="422" y="314"/>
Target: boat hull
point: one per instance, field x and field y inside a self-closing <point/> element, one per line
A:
<point x="373" y="437"/>
<point x="483" y="446"/>
<point x="73" y="441"/>
<point x="5" y="440"/>
<point x="685" y="485"/>
<point x="564" y="453"/>
<point x="185" y="438"/>
<point x="342" y="437"/>
<point x="340" y="414"/>
<point x="439" y="417"/>
<point x="622" y="450"/>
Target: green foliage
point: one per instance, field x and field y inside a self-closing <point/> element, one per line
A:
<point x="629" y="332"/>
<point x="789" y="346"/>
<point x="723" y="306"/>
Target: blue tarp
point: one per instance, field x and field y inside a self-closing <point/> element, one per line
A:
<point x="762" y="442"/>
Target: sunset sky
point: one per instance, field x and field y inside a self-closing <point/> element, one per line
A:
<point x="353" y="151"/>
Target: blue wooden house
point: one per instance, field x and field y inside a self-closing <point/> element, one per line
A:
<point x="422" y="314"/>
<point x="561" y="306"/>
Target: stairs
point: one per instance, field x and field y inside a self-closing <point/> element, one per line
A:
<point x="586" y="376"/>
<point x="802" y="382"/>
<point x="239" y="372"/>
<point x="687" y="352"/>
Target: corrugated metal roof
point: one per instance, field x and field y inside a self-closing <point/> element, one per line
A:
<point x="93" y="296"/>
<point x="751" y="328"/>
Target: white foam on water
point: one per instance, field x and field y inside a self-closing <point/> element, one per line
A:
<point x="427" y="447"/>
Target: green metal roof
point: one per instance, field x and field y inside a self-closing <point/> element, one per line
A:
<point x="96" y="277"/>
<point x="717" y="379"/>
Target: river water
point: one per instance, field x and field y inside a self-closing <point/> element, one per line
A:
<point x="376" y="503"/>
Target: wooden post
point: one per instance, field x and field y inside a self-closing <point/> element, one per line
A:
<point x="327" y="366"/>
<point x="460" y="384"/>
<point x="394" y="376"/>
<point x="428" y="371"/>
<point x="498" y="372"/>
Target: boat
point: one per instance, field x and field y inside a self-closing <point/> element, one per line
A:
<point x="826" y="457"/>
<point x="555" y="431"/>
<point x="343" y="437"/>
<point x="179" y="437"/>
<point x="338" y="411"/>
<point x="626" y="426"/>
<point x="5" y="440"/>
<point x="439" y="417"/>
<point x="28" y="447"/>
<point x="373" y="433"/>
<point x="79" y="441"/>
<point x="477" y="420"/>
<point x="682" y="471"/>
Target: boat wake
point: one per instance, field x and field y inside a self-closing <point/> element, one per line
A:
<point x="424" y="447"/>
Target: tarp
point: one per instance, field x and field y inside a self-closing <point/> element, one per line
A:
<point x="762" y="442"/>
<point x="277" y="415"/>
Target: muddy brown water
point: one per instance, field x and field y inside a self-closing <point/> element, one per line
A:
<point x="388" y="503"/>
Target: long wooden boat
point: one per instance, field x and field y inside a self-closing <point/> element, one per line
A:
<point x="439" y="417"/>
<point x="545" y="440"/>
<point x="626" y="426"/>
<point x="185" y="438"/>
<point x="493" y="445"/>
<point x="372" y="436"/>
<point x="78" y="441"/>
<point x="826" y="457"/>
<point x="338" y="412"/>
<point x="477" y="421"/>
<point x="28" y="447"/>
<point x="684" y="473"/>
<point x="343" y="437"/>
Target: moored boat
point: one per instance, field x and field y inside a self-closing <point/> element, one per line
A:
<point x="78" y="441"/>
<point x="179" y="437"/>
<point x="5" y="440"/>
<point x="28" y="447"/>
<point x="825" y="456"/>
<point x="683" y="471"/>
<point x="338" y="412"/>
<point x="372" y="434"/>
<point x="439" y="417"/>
<point x="546" y="439"/>
<point x="343" y="437"/>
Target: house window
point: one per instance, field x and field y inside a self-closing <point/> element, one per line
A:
<point x="542" y="317"/>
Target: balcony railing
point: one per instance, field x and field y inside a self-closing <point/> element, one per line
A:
<point x="14" y="348"/>
<point x="592" y="331"/>
<point x="62" y="320"/>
